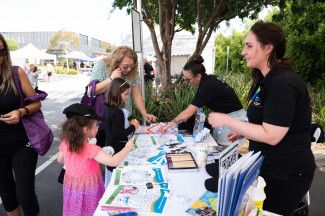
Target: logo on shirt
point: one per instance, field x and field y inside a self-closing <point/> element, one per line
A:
<point x="257" y="101"/>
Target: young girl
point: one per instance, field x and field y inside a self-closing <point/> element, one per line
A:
<point x="83" y="183"/>
<point x="117" y="127"/>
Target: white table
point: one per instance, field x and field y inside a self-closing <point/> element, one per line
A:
<point x="186" y="187"/>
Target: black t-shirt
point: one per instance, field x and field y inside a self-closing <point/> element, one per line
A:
<point x="217" y="95"/>
<point x="283" y="100"/>
<point x="116" y="134"/>
<point x="12" y="135"/>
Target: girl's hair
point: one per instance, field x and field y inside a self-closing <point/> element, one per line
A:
<point x="116" y="58"/>
<point x="269" y="33"/>
<point x="117" y="87"/>
<point x="6" y="70"/>
<point x="72" y="132"/>
<point x="34" y="67"/>
<point x="195" y="66"/>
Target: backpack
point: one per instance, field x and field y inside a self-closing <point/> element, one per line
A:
<point x="96" y="101"/>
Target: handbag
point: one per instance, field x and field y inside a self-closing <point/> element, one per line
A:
<point x="96" y="101"/>
<point x="38" y="132"/>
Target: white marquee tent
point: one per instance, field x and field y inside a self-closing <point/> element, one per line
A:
<point x="78" y="55"/>
<point x="30" y="53"/>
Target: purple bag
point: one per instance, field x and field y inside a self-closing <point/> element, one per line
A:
<point x="96" y="101"/>
<point x="37" y="131"/>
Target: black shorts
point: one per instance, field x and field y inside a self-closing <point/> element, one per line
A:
<point x="49" y="73"/>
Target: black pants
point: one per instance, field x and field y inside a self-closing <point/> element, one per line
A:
<point x="283" y="197"/>
<point x="17" y="180"/>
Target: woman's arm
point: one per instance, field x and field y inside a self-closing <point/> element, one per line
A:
<point x="183" y="116"/>
<point x="138" y="100"/>
<point x="103" y="86"/>
<point x="266" y="133"/>
<point x="115" y="160"/>
<point x="14" y="116"/>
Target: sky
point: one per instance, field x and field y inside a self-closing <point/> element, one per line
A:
<point x="89" y="17"/>
<point x="94" y="18"/>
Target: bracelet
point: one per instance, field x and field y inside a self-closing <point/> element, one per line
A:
<point x="27" y="111"/>
<point x="20" y="113"/>
<point x="110" y="78"/>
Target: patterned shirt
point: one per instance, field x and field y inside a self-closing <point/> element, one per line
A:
<point x="100" y="72"/>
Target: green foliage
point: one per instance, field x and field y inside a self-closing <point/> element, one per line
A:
<point x="317" y="96"/>
<point x="236" y="63"/>
<point x="63" y="39"/>
<point x="168" y="104"/>
<point x="303" y="21"/>
<point x="12" y="44"/>
<point x="62" y="70"/>
<point x="240" y="82"/>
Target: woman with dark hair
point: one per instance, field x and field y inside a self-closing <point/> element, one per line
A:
<point x="211" y="92"/>
<point x="279" y="114"/>
<point x="117" y="127"/>
<point x="17" y="157"/>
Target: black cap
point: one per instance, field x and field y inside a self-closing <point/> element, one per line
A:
<point x="78" y="109"/>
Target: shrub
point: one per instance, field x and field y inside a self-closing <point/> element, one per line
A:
<point x="62" y="70"/>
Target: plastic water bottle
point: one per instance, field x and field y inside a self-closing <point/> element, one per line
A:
<point x="258" y="195"/>
<point x="199" y="121"/>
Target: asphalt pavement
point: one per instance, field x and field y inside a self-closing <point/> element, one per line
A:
<point x="65" y="90"/>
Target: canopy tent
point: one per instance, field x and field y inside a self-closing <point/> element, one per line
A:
<point x="32" y="53"/>
<point x="78" y="55"/>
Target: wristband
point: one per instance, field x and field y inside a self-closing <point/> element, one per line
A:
<point x="27" y="111"/>
<point x="20" y="113"/>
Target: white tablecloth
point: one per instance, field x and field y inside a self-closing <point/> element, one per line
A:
<point x="186" y="187"/>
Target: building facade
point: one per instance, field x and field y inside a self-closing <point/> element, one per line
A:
<point x="41" y="40"/>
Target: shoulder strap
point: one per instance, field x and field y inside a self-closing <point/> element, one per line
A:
<point x="17" y="83"/>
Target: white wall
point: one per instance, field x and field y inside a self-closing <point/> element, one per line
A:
<point x="177" y="63"/>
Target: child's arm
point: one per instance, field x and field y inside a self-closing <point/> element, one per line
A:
<point x="60" y="158"/>
<point x="113" y="161"/>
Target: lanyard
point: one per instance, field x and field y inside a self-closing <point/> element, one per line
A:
<point x="254" y="96"/>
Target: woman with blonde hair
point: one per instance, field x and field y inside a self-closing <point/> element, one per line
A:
<point x="17" y="157"/>
<point x="123" y="63"/>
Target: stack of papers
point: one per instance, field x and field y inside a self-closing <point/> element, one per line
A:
<point x="234" y="183"/>
<point x="141" y="189"/>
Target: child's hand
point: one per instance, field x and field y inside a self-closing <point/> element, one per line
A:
<point x="135" y="123"/>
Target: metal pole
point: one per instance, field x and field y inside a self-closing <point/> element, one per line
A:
<point x="139" y="5"/>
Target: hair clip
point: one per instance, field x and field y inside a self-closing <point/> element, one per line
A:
<point x="123" y="84"/>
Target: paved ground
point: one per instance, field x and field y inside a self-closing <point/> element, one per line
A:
<point x="65" y="90"/>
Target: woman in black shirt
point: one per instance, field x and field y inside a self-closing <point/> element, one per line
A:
<point x="16" y="154"/>
<point x="211" y="92"/>
<point x="279" y="114"/>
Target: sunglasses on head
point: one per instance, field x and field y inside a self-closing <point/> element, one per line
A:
<point x="127" y="66"/>
<point x="3" y="52"/>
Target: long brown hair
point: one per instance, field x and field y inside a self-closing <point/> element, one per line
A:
<point x="72" y="132"/>
<point x="6" y="70"/>
<point x="269" y="33"/>
<point x="117" y="87"/>
<point x="116" y="57"/>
